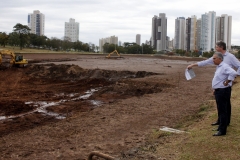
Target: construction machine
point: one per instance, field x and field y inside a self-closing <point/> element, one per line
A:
<point x="115" y="51"/>
<point x="9" y="58"/>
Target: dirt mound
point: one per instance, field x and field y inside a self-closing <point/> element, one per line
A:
<point x="128" y="88"/>
<point x="50" y="91"/>
<point x="74" y="72"/>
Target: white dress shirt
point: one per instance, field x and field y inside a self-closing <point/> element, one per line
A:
<point x="228" y="58"/>
<point x="223" y="72"/>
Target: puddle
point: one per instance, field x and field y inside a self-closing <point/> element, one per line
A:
<point x="42" y="105"/>
<point x="87" y="95"/>
<point x="16" y="116"/>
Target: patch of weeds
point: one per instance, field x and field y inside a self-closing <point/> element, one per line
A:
<point x="156" y="134"/>
<point x="150" y="148"/>
<point x="153" y="139"/>
<point x="204" y="108"/>
<point x="185" y="156"/>
<point x="200" y="113"/>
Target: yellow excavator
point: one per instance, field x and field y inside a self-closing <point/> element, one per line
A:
<point x="9" y="58"/>
<point x="115" y="51"/>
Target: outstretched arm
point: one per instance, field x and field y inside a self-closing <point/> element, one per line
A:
<point x="208" y="61"/>
<point x="191" y="65"/>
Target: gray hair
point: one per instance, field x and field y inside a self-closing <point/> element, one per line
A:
<point x="219" y="55"/>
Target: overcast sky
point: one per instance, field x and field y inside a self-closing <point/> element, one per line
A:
<point x="122" y="18"/>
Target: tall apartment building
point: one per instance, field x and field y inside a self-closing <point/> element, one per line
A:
<point x="159" y="32"/>
<point x="199" y="24"/>
<point x="224" y="29"/>
<point x="72" y="30"/>
<point x="148" y="42"/>
<point x="110" y="40"/>
<point x="138" y="39"/>
<point x="36" y="22"/>
<point x="120" y="43"/>
<point x="180" y="33"/>
<point x="191" y="33"/>
<point x="207" y="39"/>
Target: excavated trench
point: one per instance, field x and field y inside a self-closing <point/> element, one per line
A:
<point x="45" y="93"/>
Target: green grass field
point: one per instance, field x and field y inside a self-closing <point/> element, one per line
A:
<point x="198" y="143"/>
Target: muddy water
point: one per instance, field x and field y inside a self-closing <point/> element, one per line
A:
<point x="42" y="105"/>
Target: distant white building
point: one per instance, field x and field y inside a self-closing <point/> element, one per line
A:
<point x="159" y="32"/>
<point x="120" y="43"/>
<point x="36" y="22"/>
<point x="191" y="33"/>
<point x="224" y="29"/>
<point x="207" y="39"/>
<point x="199" y="24"/>
<point x="148" y="42"/>
<point x="180" y="33"/>
<point x="110" y="40"/>
<point x="138" y="39"/>
<point x="72" y="30"/>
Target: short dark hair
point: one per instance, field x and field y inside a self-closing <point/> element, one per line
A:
<point x="219" y="55"/>
<point x="221" y="44"/>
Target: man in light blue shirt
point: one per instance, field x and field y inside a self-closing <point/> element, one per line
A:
<point x="228" y="58"/>
<point x="221" y="83"/>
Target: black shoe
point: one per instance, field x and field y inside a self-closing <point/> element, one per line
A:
<point x="219" y="133"/>
<point x="216" y="123"/>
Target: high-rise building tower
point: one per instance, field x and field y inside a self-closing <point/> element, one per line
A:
<point x="138" y="39"/>
<point x="36" y="22"/>
<point x="199" y="24"/>
<point x="72" y="30"/>
<point x="180" y="33"/>
<point x="120" y="43"/>
<point x="207" y="39"/>
<point x="159" y="32"/>
<point x="224" y="29"/>
<point x="191" y="33"/>
<point x="110" y="40"/>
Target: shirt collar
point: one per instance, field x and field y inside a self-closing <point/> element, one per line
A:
<point x="226" y="53"/>
<point x="220" y="64"/>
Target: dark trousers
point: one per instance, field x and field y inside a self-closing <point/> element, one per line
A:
<point x="229" y="109"/>
<point x="222" y="96"/>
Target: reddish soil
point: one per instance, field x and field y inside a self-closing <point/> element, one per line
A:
<point x="64" y="106"/>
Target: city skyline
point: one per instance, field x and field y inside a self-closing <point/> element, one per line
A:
<point x="99" y="19"/>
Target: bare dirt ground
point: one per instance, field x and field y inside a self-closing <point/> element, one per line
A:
<point x="64" y="106"/>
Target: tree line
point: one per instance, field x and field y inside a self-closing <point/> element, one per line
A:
<point x="22" y="38"/>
